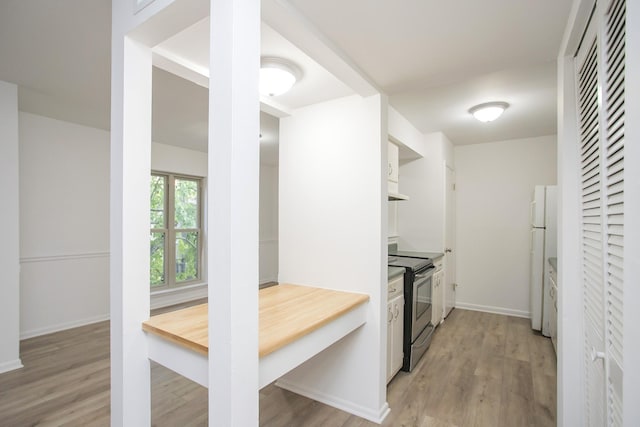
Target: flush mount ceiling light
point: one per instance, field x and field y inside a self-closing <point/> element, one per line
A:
<point x="489" y="111"/>
<point x="277" y="76"/>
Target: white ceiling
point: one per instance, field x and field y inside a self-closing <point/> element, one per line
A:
<point x="59" y="53"/>
<point x="434" y="59"/>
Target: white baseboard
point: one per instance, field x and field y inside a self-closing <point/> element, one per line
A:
<point x="376" y="416"/>
<point x="162" y="300"/>
<point x="63" y="326"/>
<point x="492" y="309"/>
<point x="268" y="279"/>
<point x="10" y="365"/>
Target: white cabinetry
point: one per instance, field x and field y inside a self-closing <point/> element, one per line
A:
<point x="437" y="313"/>
<point x="393" y="173"/>
<point x="395" y="326"/>
<point x="393" y="162"/>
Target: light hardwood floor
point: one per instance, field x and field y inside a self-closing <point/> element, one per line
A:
<point x="481" y="370"/>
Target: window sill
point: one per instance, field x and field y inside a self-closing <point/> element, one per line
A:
<point x="166" y="297"/>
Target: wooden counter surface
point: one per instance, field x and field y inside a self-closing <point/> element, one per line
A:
<point x="286" y="313"/>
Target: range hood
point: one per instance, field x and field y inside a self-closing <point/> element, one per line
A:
<point x="394" y="197"/>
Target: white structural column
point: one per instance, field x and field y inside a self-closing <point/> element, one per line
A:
<point x="233" y="192"/>
<point x="9" y="218"/>
<point x="332" y="191"/>
<point x="129" y="238"/>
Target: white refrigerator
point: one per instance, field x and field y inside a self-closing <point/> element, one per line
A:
<point x="543" y="247"/>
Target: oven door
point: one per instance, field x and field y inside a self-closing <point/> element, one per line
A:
<point x="421" y="310"/>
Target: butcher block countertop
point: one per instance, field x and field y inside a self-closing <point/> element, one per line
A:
<point x="286" y="313"/>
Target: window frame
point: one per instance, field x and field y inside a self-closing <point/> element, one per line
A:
<point x="171" y="231"/>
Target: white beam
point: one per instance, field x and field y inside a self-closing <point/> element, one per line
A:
<point x="129" y="272"/>
<point x="233" y="192"/>
<point x="287" y="20"/>
<point x="169" y="62"/>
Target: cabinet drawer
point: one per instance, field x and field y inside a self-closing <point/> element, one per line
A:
<point x="395" y="287"/>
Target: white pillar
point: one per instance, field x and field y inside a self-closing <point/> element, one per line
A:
<point x="233" y="192"/>
<point x="10" y="219"/>
<point x="129" y="273"/>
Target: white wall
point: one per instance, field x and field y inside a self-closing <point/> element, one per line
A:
<point x="64" y="227"/>
<point x="332" y="234"/>
<point x="494" y="188"/>
<point x="268" y="223"/>
<point x="169" y="158"/>
<point x="403" y="132"/>
<point x="421" y="218"/>
<point x="10" y="219"/>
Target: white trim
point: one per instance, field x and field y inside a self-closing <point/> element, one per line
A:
<point x="492" y="309"/>
<point x="11" y="365"/>
<point x="350" y="407"/>
<point x="64" y="257"/>
<point x="268" y="279"/>
<point x="63" y="326"/>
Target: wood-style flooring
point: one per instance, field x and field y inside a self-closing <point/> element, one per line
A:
<point x="481" y="370"/>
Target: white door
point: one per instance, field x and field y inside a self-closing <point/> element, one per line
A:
<point x="587" y="72"/>
<point x="600" y="65"/>
<point x="450" y="239"/>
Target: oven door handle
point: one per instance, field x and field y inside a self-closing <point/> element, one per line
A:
<point x="427" y="337"/>
<point x="426" y="274"/>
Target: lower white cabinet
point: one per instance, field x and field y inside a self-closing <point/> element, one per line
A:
<point x="437" y="288"/>
<point x="395" y="328"/>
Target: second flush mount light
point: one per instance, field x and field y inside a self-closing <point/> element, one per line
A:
<point x="277" y="76"/>
<point x="489" y="111"/>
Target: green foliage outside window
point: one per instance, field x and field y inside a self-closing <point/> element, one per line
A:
<point x="181" y="209"/>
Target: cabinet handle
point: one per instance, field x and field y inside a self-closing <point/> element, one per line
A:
<point x="397" y="312"/>
<point x="390" y="316"/>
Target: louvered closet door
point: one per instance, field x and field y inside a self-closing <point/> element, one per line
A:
<point x="613" y="155"/>
<point x="587" y="65"/>
<point x="600" y="68"/>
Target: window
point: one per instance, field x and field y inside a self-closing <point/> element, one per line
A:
<point x="176" y="234"/>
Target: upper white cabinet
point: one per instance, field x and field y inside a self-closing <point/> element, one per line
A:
<point x="393" y="162"/>
<point x="393" y="169"/>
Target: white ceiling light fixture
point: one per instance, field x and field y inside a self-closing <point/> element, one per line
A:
<point x="277" y="76"/>
<point x="489" y="111"/>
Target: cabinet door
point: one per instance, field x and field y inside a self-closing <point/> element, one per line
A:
<point x="438" y="299"/>
<point x="393" y="162"/>
<point x="398" y="330"/>
<point x="390" y="340"/>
